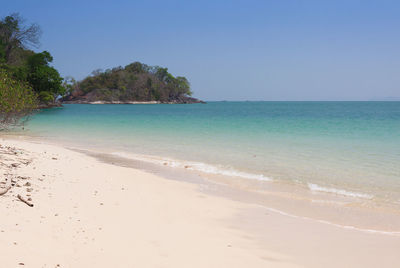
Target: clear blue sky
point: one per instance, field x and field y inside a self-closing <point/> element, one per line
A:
<point x="232" y="50"/>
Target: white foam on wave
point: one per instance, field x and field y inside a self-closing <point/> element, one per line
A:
<point x="194" y="166"/>
<point x="349" y="227"/>
<point x="206" y="168"/>
<point x="317" y="188"/>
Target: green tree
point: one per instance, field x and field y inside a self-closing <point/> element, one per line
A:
<point x="17" y="101"/>
<point x="135" y="67"/>
<point x="44" y="79"/>
<point x="15" y="35"/>
<point x="25" y="65"/>
<point x="163" y="74"/>
<point x="182" y="85"/>
<point x="69" y="84"/>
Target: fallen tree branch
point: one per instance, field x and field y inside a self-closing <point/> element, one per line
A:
<point x="23" y="200"/>
<point x="8" y="187"/>
<point x="5" y="190"/>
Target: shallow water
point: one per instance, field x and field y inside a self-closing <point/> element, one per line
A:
<point x="349" y="149"/>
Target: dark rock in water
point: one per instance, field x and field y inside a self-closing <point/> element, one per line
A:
<point x="96" y="97"/>
<point x="85" y="100"/>
<point x="49" y="105"/>
<point x="186" y="100"/>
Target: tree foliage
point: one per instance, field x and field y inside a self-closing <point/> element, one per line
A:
<point x="44" y="79"/>
<point x="17" y="100"/>
<point x="25" y="65"/>
<point x="134" y="82"/>
<point x="14" y="34"/>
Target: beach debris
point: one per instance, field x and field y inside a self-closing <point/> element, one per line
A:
<point x="24" y="201"/>
<point x="27" y="184"/>
<point x="29" y="189"/>
<point x="5" y="190"/>
<point x="15" y="164"/>
<point x="54" y="158"/>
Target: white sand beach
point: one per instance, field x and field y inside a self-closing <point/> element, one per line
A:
<point x="88" y="213"/>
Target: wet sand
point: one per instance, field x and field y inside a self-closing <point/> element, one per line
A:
<point x="88" y="213"/>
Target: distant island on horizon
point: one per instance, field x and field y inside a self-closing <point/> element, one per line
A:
<point x="31" y="75"/>
<point x="134" y="83"/>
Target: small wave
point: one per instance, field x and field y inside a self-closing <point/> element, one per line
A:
<point x="317" y="188"/>
<point x="195" y="166"/>
<point x="349" y="227"/>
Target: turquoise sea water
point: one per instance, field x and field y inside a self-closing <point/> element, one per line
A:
<point x="344" y="148"/>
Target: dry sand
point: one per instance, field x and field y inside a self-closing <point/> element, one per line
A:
<point x="91" y="214"/>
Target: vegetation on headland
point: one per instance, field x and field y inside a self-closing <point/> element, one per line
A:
<point x="136" y="82"/>
<point x="25" y="65"/>
<point x="17" y="100"/>
<point x="28" y="81"/>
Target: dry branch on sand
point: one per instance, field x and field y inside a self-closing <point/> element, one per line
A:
<point x="11" y="159"/>
<point x="5" y="190"/>
<point x="25" y="201"/>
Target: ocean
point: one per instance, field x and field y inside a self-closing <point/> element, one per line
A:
<point x="343" y="149"/>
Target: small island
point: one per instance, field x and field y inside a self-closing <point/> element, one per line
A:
<point x="135" y="83"/>
<point x="31" y="75"/>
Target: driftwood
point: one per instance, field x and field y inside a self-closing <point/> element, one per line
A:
<point x="8" y="187"/>
<point x="25" y="201"/>
<point x="5" y="190"/>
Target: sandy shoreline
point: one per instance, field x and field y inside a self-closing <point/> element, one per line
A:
<point x="92" y="214"/>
